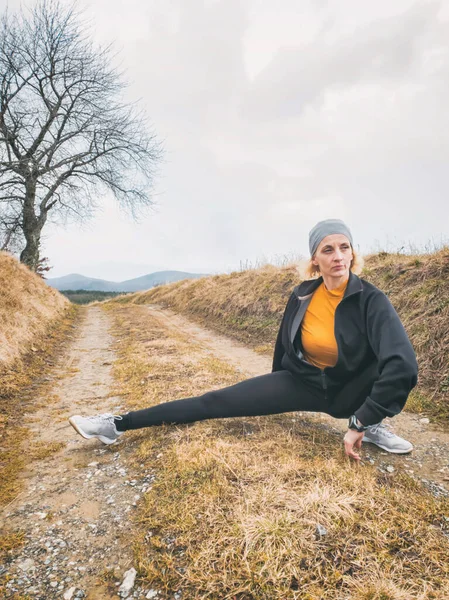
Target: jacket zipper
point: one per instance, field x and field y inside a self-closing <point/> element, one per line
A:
<point x="323" y="378"/>
<point x="323" y="372"/>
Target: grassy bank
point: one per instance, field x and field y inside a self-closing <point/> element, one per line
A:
<point x="249" y="305"/>
<point x="21" y="384"/>
<point x="234" y="509"/>
<point x="34" y="322"/>
<point x="28" y="308"/>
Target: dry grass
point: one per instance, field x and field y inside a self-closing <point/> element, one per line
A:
<point x="10" y="542"/>
<point x="248" y="306"/>
<point x="20" y="390"/>
<point x="235" y="505"/>
<point x="244" y="304"/>
<point x="43" y="450"/>
<point x="27" y="307"/>
<point x="35" y="321"/>
<point x="20" y="387"/>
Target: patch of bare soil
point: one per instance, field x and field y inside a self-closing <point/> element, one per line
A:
<point x="429" y="461"/>
<point x="77" y="501"/>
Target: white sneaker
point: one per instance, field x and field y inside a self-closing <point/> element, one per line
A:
<point x="99" y="426"/>
<point x="383" y="437"/>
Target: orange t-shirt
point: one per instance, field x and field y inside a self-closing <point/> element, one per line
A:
<point x="317" y="327"/>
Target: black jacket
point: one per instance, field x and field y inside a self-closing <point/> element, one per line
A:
<point x="367" y="329"/>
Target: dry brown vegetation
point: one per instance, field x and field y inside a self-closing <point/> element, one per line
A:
<point x="236" y="502"/>
<point x="28" y="306"/>
<point x="34" y="323"/>
<point x="20" y="387"/>
<point x="235" y="505"/>
<point x="248" y="305"/>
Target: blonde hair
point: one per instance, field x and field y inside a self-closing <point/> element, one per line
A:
<point x="307" y="270"/>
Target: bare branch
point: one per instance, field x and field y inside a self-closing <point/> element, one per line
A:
<point x="64" y="131"/>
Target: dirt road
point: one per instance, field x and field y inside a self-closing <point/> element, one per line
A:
<point x="77" y="502"/>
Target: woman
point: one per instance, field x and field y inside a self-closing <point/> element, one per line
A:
<point x="341" y="349"/>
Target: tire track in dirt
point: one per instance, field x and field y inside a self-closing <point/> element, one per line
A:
<point x="76" y="503"/>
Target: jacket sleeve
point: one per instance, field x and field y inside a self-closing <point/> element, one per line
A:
<point x="279" y="349"/>
<point x="398" y="369"/>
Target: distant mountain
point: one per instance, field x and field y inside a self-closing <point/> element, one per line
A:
<point x="80" y="282"/>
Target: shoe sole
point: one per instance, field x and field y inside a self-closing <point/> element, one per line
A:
<point x="88" y="436"/>
<point x="388" y="449"/>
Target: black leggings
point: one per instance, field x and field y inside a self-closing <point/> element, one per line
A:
<point x="277" y="392"/>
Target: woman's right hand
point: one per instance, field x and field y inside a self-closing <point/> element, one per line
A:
<point x="352" y="440"/>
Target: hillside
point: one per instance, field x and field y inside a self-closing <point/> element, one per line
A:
<point x="80" y="282"/>
<point x="27" y="309"/>
<point x="248" y="305"/>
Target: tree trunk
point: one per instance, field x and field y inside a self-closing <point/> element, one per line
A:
<point x="32" y="227"/>
<point x="30" y="254"/>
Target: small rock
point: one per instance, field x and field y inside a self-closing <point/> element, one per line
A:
<point x="320" y="531"/>
<point x="26" y="564"/>
<point x="390" y="468"/>
<point x="128" y="582"/>
<point x="92" y="464"/>
<point x="80" y="594"/>
<point x="54" y="584"/>
<point x="152" y="594"/>
<point x="69" y="593"/>
<point x="425" y="421"/>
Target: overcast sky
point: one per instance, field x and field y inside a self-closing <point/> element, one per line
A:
<point x="274" y="116"/>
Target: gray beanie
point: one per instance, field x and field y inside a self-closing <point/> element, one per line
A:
<point x="324" y="228"/>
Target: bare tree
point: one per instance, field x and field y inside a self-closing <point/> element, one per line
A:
<point x="66" y="134"/>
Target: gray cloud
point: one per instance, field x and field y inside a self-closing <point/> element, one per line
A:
<point x="387" y="49"/>
<point x="273" y="118"/>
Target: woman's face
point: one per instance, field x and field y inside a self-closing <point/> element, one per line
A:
<point x="333" y="256"/>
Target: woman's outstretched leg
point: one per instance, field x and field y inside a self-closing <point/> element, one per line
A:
<point x="272" y="393"/>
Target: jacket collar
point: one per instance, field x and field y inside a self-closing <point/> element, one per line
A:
<point x="309" y="286"/>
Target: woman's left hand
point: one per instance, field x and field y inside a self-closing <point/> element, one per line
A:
<point x="353" y="439"/>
